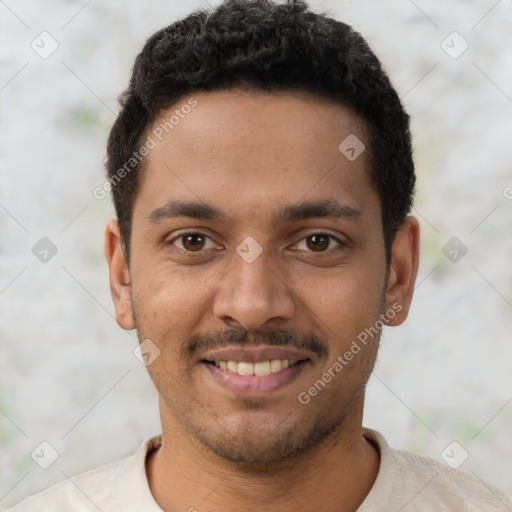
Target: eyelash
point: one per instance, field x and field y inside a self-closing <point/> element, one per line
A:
<point x="188" y="233"/>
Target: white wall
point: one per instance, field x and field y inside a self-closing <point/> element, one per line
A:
<point x="67" y="372"/>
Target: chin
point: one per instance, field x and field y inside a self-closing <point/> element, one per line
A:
<point x="262" y="443"/>
<point x="255" y="452"/>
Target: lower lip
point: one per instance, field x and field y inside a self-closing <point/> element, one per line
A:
<point x="256" y="384"/>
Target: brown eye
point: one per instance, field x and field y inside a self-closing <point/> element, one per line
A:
<point x="193" y="242"/>
<point x="318" y="243"/>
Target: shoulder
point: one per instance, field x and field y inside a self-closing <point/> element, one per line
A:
<point x="431" y="482"/>
<point x="104" y="488"/>
<point x="411" y="482"/>
<point x="78" y="490"/>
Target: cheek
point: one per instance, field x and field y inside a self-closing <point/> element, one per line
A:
<point x="166" y="312"/>
<point x="170" y="302"/>
<point x="164" y="298"/>
<point x="345" y="300"/>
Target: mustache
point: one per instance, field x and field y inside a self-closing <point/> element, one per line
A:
<point x="310" y="342"/>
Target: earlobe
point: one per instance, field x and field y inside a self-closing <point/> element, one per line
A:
<point x="403" y="269"/>
<point x="119" y="276"/>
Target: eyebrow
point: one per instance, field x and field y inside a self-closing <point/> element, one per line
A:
<point x="327" y="208"/>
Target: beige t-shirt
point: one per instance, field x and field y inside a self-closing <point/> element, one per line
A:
<point x="406" y="482"/>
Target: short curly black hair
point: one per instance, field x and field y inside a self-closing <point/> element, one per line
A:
<point x="265" y="46"/>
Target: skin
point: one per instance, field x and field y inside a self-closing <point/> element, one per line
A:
<point x="251" y="154"/>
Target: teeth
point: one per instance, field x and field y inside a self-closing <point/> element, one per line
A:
<point x="275" y="365"/>
<point x="245" y="368"/>
<point x="260" y="369"/>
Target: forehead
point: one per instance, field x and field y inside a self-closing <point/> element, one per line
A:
<point x="240" y="122"/>
<point x="247" y="150"/>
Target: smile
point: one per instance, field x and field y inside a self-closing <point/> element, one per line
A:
<point x="260" y="369"/>
<point x="247" y="378"/>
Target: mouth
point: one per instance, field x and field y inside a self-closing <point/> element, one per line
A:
<point x="260" y="371"/>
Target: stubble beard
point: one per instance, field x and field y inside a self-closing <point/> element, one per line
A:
<point x="255" y="451"/>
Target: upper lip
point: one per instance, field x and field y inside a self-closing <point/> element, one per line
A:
<point x="255" y="354"/>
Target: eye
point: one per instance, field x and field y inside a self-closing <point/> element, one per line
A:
<point x="192" y="242"/>
<point x="196" y="242"/>
<point x="319" y="242"/>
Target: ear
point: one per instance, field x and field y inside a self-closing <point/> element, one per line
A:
<point x="403" y="270"/>
<point x="120" y="282"/>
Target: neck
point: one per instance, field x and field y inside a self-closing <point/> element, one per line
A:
<point x="333" y="476"/>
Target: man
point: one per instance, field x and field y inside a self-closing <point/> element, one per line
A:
<point x="262" y="176"/>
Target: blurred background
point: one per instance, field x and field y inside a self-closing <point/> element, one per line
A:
<point x="68" y="375"/>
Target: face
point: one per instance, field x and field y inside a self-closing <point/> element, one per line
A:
<point x="257" y="259"/>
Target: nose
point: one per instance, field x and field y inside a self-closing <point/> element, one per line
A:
<point x="252" y="294"/>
